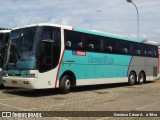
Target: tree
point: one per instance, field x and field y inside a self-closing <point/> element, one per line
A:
<point x="4" y="28"/>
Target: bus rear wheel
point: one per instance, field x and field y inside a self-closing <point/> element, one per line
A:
<point x="141" y="78"/>
<point x="65" y="84"/>
<point x="132" y="79"/>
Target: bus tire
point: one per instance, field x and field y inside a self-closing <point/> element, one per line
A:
<point x="132" y="78"/>
<point x="65" y="84"/>
<point x="141" y="78"/>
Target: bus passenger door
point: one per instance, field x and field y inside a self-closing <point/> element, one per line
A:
<point x="50" y="49"/>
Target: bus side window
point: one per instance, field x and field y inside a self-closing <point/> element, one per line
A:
<point x="90" y="47"/>
<point x="149" y="53"/>
<point x="125" y="47"/>
<point x="137" y="52"/>
<point x="73" y="40"/>
<point x="109" y="48"/>
<point x="155" y="51"/>
<point x="110" y="45"/>
<point x="148" y="50"/>
<point x="145" y="52"/>
<point x="124" y="50"/>
<point x="68" y="44"/>
<point x="93" y="43"/>
<point x="136" y="49"/>
<point x="78" y="45"/>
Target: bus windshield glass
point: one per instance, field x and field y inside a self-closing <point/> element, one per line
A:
<point x="23" y="49"/>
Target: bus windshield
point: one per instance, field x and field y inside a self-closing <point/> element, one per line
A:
<point x="23" y="49"/>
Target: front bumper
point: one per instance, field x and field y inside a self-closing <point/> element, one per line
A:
<point x="19" y="82"/>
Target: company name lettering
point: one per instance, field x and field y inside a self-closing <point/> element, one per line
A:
<point x="100" y="60"/>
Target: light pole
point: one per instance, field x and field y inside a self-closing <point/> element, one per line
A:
<point x="97" y="11"/>
<point x="131" y="1"/>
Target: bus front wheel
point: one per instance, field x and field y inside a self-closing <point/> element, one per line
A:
<point x="132" y="79"/>
<point x="65" y="84"/>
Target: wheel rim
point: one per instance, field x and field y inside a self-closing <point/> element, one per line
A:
<point x="141" y="78"/>
<point x="67" y="84"/>
<point x="132" y="78"/>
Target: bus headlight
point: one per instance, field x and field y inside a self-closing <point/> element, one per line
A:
<point x="32" y="75"/>
<point x="4" y="81"/>
<point x="5" y="74"/>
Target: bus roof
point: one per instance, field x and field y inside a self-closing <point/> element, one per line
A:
<point x="45" y="24"/>
<point x="94" y="32"/>
<point x="150" y="42"/>
<point x="5" y="31"/>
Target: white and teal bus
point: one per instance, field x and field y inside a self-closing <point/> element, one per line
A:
<point x="4" y="34"/>
<point x="44" y="56"/>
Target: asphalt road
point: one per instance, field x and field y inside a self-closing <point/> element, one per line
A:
<point x="110" y="97"/>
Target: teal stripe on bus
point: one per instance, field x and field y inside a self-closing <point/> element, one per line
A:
<point x="106" y="35"/>
<point x="95" y="65"/>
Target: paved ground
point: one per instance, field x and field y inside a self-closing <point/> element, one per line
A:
<point x="111" y="97"/>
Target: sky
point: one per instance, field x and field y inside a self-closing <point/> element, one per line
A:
<point x="111" y="16"/>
